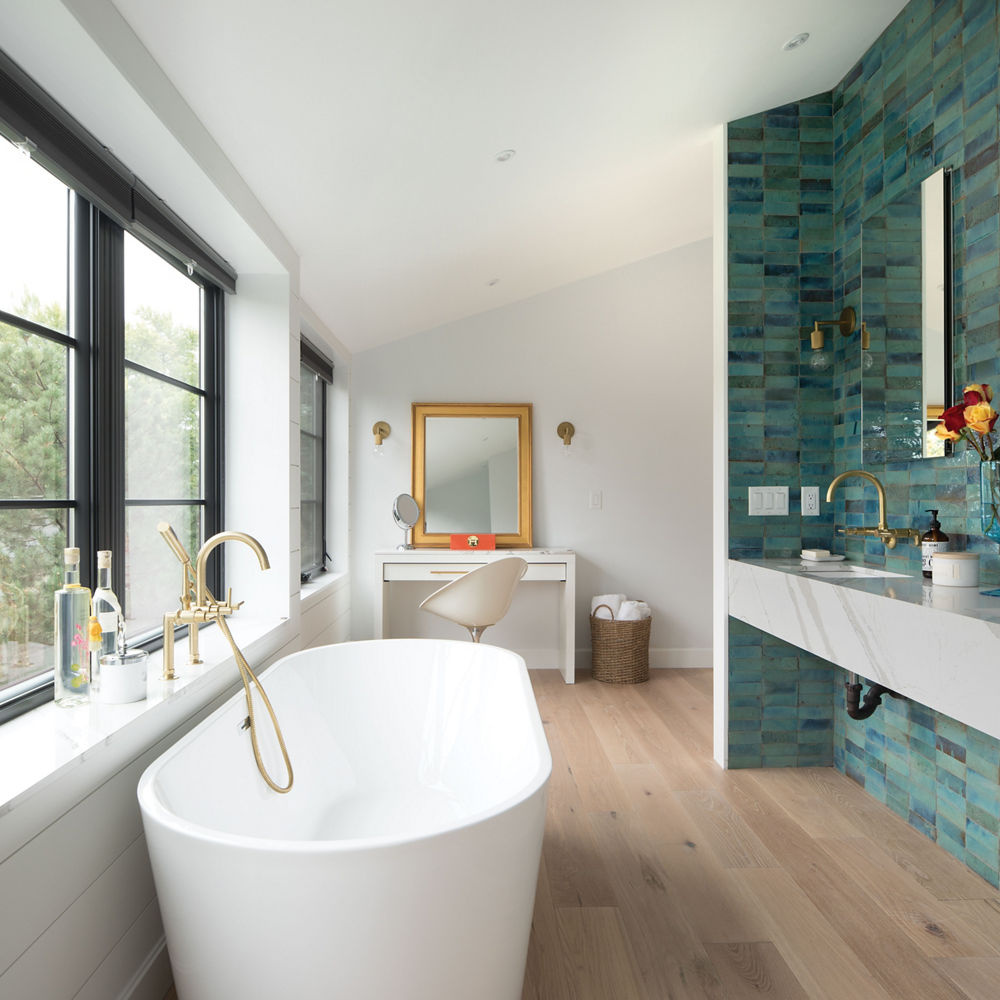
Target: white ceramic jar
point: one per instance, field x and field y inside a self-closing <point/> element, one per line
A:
<point x="955" y="569"/>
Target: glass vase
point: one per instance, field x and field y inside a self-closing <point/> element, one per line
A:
<point x="989" y="491"/>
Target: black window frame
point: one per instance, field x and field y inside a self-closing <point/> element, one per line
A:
<point x="105" y="201"/>
<point x="314" y="361"/>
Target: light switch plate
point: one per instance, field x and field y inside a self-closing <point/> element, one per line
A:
<point x="768" y="501"/>
<point x="810" y="501"/>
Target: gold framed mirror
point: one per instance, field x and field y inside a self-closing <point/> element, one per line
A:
<point x="472" y="472"/>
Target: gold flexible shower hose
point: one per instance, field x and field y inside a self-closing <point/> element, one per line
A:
<point x="250" y="678"/>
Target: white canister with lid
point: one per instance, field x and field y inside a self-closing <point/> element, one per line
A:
<point x="956" y="569"/>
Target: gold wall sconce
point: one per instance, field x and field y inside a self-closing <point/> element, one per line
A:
<point x="847" y="321"/>
<point x="381" y="430"/>
<point x="566" y="431"/>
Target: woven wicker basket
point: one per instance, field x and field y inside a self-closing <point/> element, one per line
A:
<point x="620" y="649"/>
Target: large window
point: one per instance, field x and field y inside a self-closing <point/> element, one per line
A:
<point x="110" y="397"/>
<point x="315" y="374"/>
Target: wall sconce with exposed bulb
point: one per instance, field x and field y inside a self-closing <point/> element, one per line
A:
<point x="566" y="431"/>
<point x="847" y="321"/>
<point x="381" y="430"/>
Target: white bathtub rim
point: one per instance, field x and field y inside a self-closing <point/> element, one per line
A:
<point x="153" y="807"/>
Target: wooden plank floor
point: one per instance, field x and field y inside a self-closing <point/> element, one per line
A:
<point x="665" y="878"/>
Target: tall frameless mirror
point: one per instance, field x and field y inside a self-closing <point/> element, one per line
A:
<point x="906" y="353"/>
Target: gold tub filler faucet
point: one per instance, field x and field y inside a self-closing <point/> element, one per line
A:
<point x="199" y="607"/>
<point x="889" y="536"/>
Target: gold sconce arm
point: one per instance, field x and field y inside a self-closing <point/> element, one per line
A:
<point x="381" y="430"/>
<point x="846" y="322"/>
<point x="566" y="431"/>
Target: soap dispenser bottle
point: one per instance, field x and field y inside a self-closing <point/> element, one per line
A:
<point x="934" y="540"/>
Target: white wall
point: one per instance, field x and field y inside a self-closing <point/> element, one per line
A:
<point x="79" y="917"/>
<point x="626" y="356"/>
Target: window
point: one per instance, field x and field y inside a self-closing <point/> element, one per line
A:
<point x="315" y="374"/>
<point x="110" y="385"/>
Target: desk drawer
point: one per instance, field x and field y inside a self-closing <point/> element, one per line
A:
<point x="443" y="572"/>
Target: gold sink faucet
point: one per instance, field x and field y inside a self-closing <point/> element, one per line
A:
<point x="889" y="536"/>
<point x="198" y="606"/>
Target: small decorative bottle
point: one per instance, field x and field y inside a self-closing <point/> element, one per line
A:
<point x="934" y="540"/>
<point x="108" y="612"/>
<point x="72" y="650"/>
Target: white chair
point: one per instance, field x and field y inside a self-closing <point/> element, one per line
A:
<point x="480" y="598"/>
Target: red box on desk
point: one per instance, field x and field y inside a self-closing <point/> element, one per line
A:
<point x="474" y="541"/>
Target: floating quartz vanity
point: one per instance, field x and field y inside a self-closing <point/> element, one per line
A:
<point x="939" y="646"/>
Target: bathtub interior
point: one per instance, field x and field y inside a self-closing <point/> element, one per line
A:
<point x="390" y="740"/>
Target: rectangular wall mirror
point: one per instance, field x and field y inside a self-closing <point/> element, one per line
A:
<point x="906" y="308"/>
<point x="472" y="472"/>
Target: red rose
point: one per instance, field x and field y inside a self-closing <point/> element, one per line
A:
<point x="954" y="417"/>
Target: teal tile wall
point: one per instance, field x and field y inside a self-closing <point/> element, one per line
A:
<point x="925" y="95"/>
<point x="781" y="274"/>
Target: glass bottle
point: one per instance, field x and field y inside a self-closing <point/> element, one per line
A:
<point x="72" y="651"/>
<point x="108" y="611"/>
<point x="932" y="541"/>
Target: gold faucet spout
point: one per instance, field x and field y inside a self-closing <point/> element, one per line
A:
<point x="879" y="489"/>
<point x="887" y="535"/>
<point x="201" y="561"/>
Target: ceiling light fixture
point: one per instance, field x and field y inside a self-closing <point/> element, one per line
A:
<point x="505" y="154"/>
<point x="796" y="42"/>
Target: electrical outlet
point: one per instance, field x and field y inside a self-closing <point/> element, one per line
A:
<point x="595" y="501"/>
<point x="810" y="501"/>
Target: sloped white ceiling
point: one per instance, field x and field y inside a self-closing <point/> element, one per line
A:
<point x="369" y="131"/>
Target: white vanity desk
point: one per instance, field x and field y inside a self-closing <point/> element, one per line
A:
<point x="552" y="566"/>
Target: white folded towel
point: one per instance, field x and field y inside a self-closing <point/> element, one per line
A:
<point x="633" y="611"/>
<point x="613" y="601"/>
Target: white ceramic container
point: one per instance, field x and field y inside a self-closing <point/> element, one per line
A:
<point x="955" y="569"/>
<point x="402" y="863"/>
<point x="123" y="677"/>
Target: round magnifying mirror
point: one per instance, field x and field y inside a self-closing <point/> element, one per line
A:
<point x="406" y="512"/>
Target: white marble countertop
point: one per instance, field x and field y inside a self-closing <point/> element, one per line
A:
<point x="938" y="645"/>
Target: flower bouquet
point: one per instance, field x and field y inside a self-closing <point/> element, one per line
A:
<point x="973" y="421"/>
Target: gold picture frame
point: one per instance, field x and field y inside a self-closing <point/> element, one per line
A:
<point x="521" y="412"/>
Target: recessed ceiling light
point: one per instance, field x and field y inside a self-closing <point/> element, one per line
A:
<point x="796" y="42"/>
<point x="504" y="155"/>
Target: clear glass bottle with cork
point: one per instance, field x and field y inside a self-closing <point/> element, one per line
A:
<point x="71" y="643"/>
<point x="108" y="611"/>
<point x="931" y="541"/>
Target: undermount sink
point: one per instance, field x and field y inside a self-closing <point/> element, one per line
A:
<point x="845" y="569"/>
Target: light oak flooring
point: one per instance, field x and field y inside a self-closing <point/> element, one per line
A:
<point x="666" y="878"/>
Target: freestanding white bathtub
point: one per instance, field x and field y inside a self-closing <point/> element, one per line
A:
<point x="401" y="866"/>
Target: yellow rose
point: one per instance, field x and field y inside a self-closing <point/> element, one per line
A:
<point x="942" y="432"/>
<point x="980" y="417"/>
<point x="984" y="392"/>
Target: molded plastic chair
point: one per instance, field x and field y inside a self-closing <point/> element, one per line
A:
<point x="480" y="598"/>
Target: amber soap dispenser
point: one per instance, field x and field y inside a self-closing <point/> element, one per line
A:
<point x="934" y="540"/>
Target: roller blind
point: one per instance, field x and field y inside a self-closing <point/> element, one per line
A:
<point x="32" y="119"/>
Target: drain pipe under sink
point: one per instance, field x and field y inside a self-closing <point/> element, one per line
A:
<point x="852" y="697"/>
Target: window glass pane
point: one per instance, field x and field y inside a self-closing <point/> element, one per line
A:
<point x="308" y="448"/>
<point x="162" y="315"/>
<point x="312" y="540"/>
<point x="153" y="574"/>
<point x="33" y="250"/>
<point x="34" y="422"/>
<point x="162" y="440"/>
<point x="309" y="402"/>
<point x="31" y="545"/>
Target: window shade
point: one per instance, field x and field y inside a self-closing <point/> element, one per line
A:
<point x="316" y="361"/>
<point x="64" y="147"/>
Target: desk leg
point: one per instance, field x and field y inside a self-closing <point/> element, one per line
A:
<point x="381" y="604"/>
<point x="567" y="628"/>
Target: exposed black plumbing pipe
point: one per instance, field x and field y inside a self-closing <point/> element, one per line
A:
<point x="872" y="699"/>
